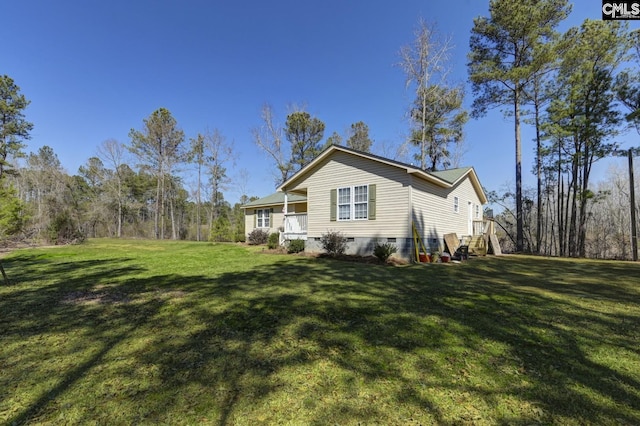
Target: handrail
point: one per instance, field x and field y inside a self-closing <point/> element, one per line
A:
<point x="295" y="223"/>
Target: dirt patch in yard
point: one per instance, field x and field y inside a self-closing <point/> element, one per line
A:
<point x="95" y="297"/>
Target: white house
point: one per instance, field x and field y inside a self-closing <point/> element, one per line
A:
<point x="371" y="199"/>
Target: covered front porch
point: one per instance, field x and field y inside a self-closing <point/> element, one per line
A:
<point x="295" y="222"/>
<point x="295" y="226"/>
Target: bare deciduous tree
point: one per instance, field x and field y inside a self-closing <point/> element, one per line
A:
<point x="270" y="137"/>
<point x="112" y="153"/>
<point x="436" y="114"/>
<point x="217" y="154"/>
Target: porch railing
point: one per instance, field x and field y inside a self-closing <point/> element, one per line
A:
<point x="481" y="227"/>
<point x="295" y="223"/>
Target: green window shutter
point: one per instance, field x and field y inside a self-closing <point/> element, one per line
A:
<point x="271" y="217"/>
<point x="255" y="218"/>
<point x="372" y="202"/>
<point x="334" y="204"/>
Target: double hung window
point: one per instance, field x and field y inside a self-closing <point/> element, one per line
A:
<point x="262" y="218"/>
<point x="353" y="203"/>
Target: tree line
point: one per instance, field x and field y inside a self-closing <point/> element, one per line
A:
<point x="579" y="90"/>
<point x="137" y="189"/>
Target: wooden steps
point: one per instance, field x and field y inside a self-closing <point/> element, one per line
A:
<point x="478" y="245"/>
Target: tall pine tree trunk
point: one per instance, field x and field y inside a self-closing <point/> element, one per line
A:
<point x="198" y="201"/>
<point x="156" y="218"/>
<point x="564" y="240"/>
<point x="561" y="222"/>
<point x="119" y="232"/>
<point x="519" y="223"/>
<point x="584" y="199"/>
<point x="539" y="176"/>
<point x="573" y="221"/>
<point x="174" y="234"/>
<point x="162" y="207"/>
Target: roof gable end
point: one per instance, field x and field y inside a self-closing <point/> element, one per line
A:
<point x="445" y="178"/>
<point x="372" y="157"/>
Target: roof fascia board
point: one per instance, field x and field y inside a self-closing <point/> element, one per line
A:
<point x="392" y="163"/>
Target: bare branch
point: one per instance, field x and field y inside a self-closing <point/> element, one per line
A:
<point x="269" y="137"/>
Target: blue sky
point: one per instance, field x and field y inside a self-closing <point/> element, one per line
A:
<point x="94" y="70"/>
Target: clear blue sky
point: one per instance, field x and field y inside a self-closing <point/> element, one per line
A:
<point x="94" y="70"/>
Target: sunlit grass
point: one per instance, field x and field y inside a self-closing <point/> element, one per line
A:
<point x="129" y="332"/>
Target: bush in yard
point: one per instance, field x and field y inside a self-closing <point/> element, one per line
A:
<point x="296" y="246"/>
<point x="63" y="230"/>
<point x="240" y="236"/>
<point x="258" y="236"/>
<point x="221" y="231"/>
<point x="274" y="241"/>
<point x="334" y="243"/>
<point x="384" y="251"/>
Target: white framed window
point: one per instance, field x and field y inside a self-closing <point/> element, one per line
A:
<point x="344" y="203"/>
<point x="360" y="202"/>
<point x="262" y="218"/>
<point x="477" y="211"/>
<point x="456" y="205"/>
<point x="353" y="203"/>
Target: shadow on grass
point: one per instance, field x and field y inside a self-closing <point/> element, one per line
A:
<point x="241" y="338"/>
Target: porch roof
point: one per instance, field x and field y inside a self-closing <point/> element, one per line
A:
<point x="275" y="199"/>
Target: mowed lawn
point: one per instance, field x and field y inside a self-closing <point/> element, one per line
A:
<point x="146" y="332"/>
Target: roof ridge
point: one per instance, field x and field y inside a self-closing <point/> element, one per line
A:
<point x="399" y="163"/>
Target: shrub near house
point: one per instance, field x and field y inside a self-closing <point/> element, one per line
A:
<point x="257" y="237"/>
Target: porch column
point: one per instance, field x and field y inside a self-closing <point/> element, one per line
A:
<point x="286" y="202"/>
<point x="285" y="209"/>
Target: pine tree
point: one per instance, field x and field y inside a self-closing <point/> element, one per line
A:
<point x="13" y="126"/>
<point x="503" y="61"/>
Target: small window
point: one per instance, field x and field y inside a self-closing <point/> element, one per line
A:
<point x="391" y="240"/>
<point x="262" y="218"/>
<point x="477" y="211"/>
<point x="456" y="205"/>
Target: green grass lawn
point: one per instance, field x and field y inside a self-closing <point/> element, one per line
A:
<point x="146" y="332"/>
